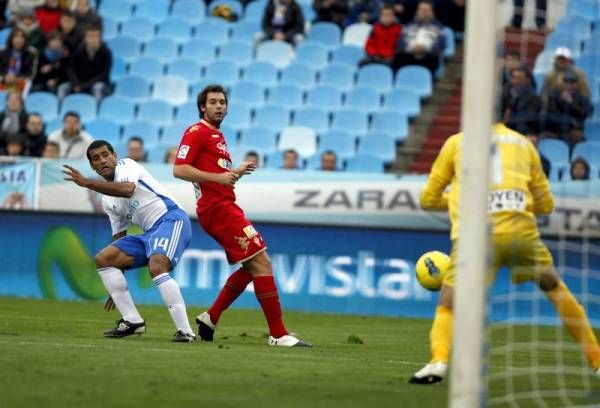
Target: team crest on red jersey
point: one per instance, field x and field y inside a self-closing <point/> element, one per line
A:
<point x="243" y="243"/>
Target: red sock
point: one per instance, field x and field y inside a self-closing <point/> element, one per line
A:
<point x="266" y="293"/>
<point x="235" y="285"/>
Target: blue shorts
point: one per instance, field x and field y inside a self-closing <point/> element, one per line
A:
<point x="169" y="236"/>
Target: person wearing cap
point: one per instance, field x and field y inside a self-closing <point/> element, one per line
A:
<point x="563" y="61"/>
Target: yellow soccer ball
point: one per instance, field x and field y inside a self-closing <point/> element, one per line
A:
<point x="430" y="269"/>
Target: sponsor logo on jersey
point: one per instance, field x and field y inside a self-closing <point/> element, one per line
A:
<point x="256" y="241"/>
<point x="224" y="164"/>
<point x="250" y="231"/>
<point x="183" y="152"/>
<point x="133" y="205"/>
<point x="216" y="136"/>
<point x="222" y="146"/>
<point x="243" y="243"/>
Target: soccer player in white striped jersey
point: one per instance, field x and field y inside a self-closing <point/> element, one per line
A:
<point x="130" y="195"/>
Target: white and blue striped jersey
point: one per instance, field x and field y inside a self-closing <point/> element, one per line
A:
<point x="149" y="202"/>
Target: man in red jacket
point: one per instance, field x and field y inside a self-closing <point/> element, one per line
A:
<point x="382" y="42"/>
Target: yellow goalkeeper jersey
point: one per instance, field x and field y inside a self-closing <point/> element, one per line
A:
<point x="519" y="188"/>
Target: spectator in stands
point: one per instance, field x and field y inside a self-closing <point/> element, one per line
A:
<point x="512" y="60"/>
<point x="51" y="150"/>
<point x="52" y="66"/>
<point x="18" y="62"/>
<point x="328" y="161"/>
<point x="14" y="146"/>
<point x="253" y="157"/>
<point x="563" y="61"/>
<point x="71" y="139"/>
<point x="566" y="110"/>
<point x="333" y="11"/>
<point x="86" y="15"/>
<point x="290" y="160"/>
<point x="422" y="41"/>
<point x="13" y="117"/>
<point x="35" y="36"/>
<point x="89" y="68"/>
<point x="580" y="169"/>
<point x="70" y="32"/>
<point x="381" y="44"/>
<point x="34" y="135"/>
<point x="135" y="149"/>
<point x="48" y="16"/>
<point x="170" y="155"/>
<point x="451" y="13"/>
<point x="363" y="11"/>
<point x="540" y="13"/>
<point x="282" y="21"/>
<point x="520" y="104"/>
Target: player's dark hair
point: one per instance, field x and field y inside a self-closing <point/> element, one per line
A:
<point x="136" y="139"/>
<point x="96" y="144"/>
<point x="72" y="114"/>
<point x="202" y="96"/>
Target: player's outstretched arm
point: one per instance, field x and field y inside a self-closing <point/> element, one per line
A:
<point x="188" y="172"/>
<point x="103" y="187"/>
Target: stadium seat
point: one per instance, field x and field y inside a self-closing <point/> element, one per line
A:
<point x="272" y="117"/>
<point x="254" y="12"/>
<point x="582" y="8"/>
<point x="340" y="76"/>
<point x="313" y="54"/>
<point x="325" y="33"/>
<point x="172" y="134"/>
<point x="348" y="54"/>
<point x="176" y="29"/>
<point x="577" y="26"/>
<point x="450" y="42"/>
<point x="403" y="100"/>
<point x="115" y="9"/>
<point x="313" y="118"/>
<point x="352" y="121"/>
<point x="156" y="153"/>
<point x="285" y="95"/>
<point x="361" y="163"/>
<point x="248" y="93"/>
<point x="260" y="139"/>
<point x="236" y="52"/>
<point x="52" y="125"/>
<point x="133" y="87"/>
<point x="563" y="39"/>
<point x="155" y="10"/>
<point x="217" y="30"/>
<point x="127" y="48"/>
<point x="104" y="128"/>
<point x="140" y="28"/>
<point x="222" y="72"/>
<point x="275" y="160"/>
<point x="342" y="143"/>
<point x="230" y="134"/>
<point x="246" y="30"/>
<point x="589" y="151"/>
<point x="238" y="117"/>
<point x="590" y="64"/>
<point x="308" y="11"/>
<point x="198" y="86"/>
<point x="300" y="138"/>
<point x="82" y="103"/>
<point x="379" y="145"/>
<point x="363" y="98"/>
<point x="146" y="130"/>
<point x="202" y="51"/>
<point x="149" y="68"/>
<point x="417" y="78"/>
<point x="118" y="68"/>
<point x="262" y="72"/>
<point x="157" y="112"/>
<point x="189" y="10"/>
<point x="119" y="109"/>
<point x="186" y="68"/>
<point x="187" y="113"/>
<point x="557" y="152"/>
<point x="162" y="48"/>
<point x="393" y="124"/>
<point x="171" y="89"/>
<point x="299" y="74"/>
<point x="543" y="62"/>
<point x="235" y="6"/>
<point x="45" y="103"/>
<point x="110" y="30"/>
<point x="592" y="131"/>
<point x="356" y="34"/>
<point x="376" y="76"/>
<point x="324" y="97"/>
<point x="278" y="53"/>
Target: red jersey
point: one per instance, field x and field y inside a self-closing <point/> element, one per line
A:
<point x="205" y="149"/>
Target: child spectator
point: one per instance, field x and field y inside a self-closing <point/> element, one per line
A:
<point x="381" y="44"/>
<point x="580" y="169"/>
<point x="51" y="150"/>
<point x="52" y="65"/>
<point x="14" y="146"/>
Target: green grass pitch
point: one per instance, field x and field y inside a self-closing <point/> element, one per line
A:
<point x="52" y="354"/>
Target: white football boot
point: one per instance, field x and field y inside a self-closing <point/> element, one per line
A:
<point x="430" y="374"/>
<point x="206" y="328"/>
<point x="288" y="341"/>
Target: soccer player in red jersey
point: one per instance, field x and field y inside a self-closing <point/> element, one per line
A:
<point x="203" y="159"/>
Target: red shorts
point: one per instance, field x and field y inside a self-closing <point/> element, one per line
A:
<point x="228" y="225"/>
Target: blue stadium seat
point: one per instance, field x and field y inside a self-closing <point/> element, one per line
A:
<point x="118" y="68"/>
<point x="254" y="11"/>
<point x="238" y="117"/>
<point x="110" y="29"/>
<point x="362" y="163"/>
<point x="148" y="67"/>
<point x="155" y="10"/>
<point x="52" y="125"/>
<point x="189" y="10"/>
<point x="352" y="121"/>
<point x="278" y="53"/>
<point x="324" y="97"/>
<point x="162" y="48"/>
<point x="287" y="96"/>
<point x="176" y="29"/>
<point x="379" y="145"/>
<point x="576" y="25"/>
<point x="589" y="151"/>
<point x="416" y="77"/>
<point x="274" y="160"/>
<point x="104" y="128"/>
<point x="299" y="74"/>
<point x="230" y="134"/>
<point x="217" y="30"/>
<point x="544" y="62"/>
<point x="272" y="117"/>
<point x="198" y="86"/>
<point x="308" y="11"/>
<point x="403" y="100"/>
<point x="450" y="42"/>
<point x="262" y="72"/>
<point x="376" y="76"/>
<point x="261" y="139"/>
<point x="235" y="6"/>
<point x="583" y="8"/>
<point x="186" y="68"/>
<point x="363" y="98"/>
<point x="312" y="53"/>
<point x="347" y="54"/>
<point x="340" y="76"/>
<point x="563" y="39"/>
<point x="236" y="52"/>
<point x="200" y="50"/>
<point x="133" y="87"/>
<point x="316" y="119"/>
<point x="45" y="103"/>
<point x="118" y="109"/>
<point x="325" y="33"/>
<point x="172" y="89"/>
<point x="245" y="30"/>
<point x="590" y="64"/>
<point x="300" y="138"/>
<point x="248" y="93"/>
<point x="157" y="112"/>
<point x="356" y="34"/>
<point x="557" y="152"/>
<point x="140" y="28"/>
<point x="82" y="103"/>
<point x="342" y="143"/>
<point x="222" y="72"/>
<point x="156" y="153"/>
<point x="187" y="113"/>
<point x="393" y="124"/>
<point x="148" y="131"/>
<point x="172" y="134"/>
<point x="127" y="48"/>
<point x="592" y="130"/>
<point x="115" y="9"/>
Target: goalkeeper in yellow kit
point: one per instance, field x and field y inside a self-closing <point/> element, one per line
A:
<point x="519" y="192"/>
